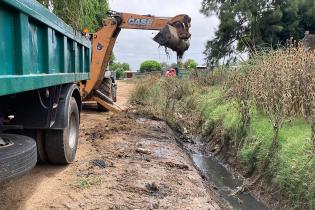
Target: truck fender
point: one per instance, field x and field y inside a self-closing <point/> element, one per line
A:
<point x="68" y="91"/>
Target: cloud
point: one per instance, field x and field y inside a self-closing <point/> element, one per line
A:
<point x="135" y="46"/>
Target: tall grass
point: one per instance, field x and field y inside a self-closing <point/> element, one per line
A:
<point x="281" y="83"/>
<point x="266" y="109"/>
<point x="275" y="94"/>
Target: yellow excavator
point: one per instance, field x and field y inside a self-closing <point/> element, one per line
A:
<point x="173" y="33"/>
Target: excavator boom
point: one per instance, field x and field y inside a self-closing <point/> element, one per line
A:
<point x="173" y="34"/>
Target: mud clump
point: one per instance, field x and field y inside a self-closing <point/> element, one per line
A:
<point x="152" y="187"/>
<point x="160" y="191"/>
<point x="117" y="124"/>
<point x="99" y="163"/>
<point x="97" y="133"/>
<point x="177" y="166"/>
<point x="143" y="151"/>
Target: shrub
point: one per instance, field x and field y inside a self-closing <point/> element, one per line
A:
<point x="162" y="96"/>
<point x="146" y="96"/>
<point x="115" y="66"/>
<point x="150" y="65"/>
<point x="174" y="91"/>
<point x="190" y="64"/>
<point x="120" y="73"/>
<point x="215" y="77"/>
<point x="142" y="92"/>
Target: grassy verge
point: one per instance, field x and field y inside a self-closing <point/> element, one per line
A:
<point x="198" y="106"/>
<point x="291" y="171"/>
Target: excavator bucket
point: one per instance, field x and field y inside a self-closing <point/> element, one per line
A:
<point x="169" y="37"/>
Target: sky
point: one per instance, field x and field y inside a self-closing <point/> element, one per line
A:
<point x="136" y="46"/>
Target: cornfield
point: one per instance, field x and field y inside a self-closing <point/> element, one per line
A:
<point x="281" y="83"/>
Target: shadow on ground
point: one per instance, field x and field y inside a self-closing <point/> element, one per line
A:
<point x="15" y="193"/>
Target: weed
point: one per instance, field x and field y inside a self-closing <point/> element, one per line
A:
<point x="87" y="182"/>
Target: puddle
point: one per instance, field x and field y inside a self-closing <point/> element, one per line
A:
<point x="226" y="183"/>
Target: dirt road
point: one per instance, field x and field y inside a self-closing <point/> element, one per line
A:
<point x="123" y="162"/>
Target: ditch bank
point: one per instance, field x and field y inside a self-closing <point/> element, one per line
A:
<point x="282" y="176"/>
<point x="212" y="156"/>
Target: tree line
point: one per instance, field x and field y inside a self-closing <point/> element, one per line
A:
<point x="82" y="14"/>
<point x="251" y="26"/>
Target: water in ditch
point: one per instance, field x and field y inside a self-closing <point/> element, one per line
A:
<point x="226" y="183"/>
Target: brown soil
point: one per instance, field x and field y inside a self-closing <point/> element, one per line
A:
<point x="124" y="89"/>
<point x="123" y="162"/>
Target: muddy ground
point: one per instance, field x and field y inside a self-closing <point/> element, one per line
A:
<point x="123" y="162"/>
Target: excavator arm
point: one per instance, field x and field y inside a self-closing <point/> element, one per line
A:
<point x="174" y="34"/>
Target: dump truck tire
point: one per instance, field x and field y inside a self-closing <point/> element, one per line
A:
<point x="41" y="151"/>
<point x="18" y="157"/>
<point x="61" y="145"/>
<point x="109" y="89"/>
<point x="114" y="92"/>
<point x="39" y="137"/>
<point x="106" y="87"/>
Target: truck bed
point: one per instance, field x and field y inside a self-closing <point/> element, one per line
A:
<point x="37" y="49"/>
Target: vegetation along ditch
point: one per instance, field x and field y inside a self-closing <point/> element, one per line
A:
<point x="257" y="119"/>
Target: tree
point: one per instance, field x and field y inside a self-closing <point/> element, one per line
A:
<point x="249" y="26"/>
<point x="190" y="64"/>
<point x="150" y="65"/>
<point x="79" y="14"/>
<point x="124" y="66"/>
<point x="120" y="73"/>
<point x="112" y="60"/>
<point x="119" y="68"/>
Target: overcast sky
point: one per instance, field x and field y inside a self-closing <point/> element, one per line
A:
<point x="135" y="46"/>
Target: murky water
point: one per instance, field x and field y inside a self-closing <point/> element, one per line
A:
<point x="226" y="183"/>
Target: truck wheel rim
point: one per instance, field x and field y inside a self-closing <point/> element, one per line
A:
<point x="4" y="142"/>
<point x="72" y="132"/>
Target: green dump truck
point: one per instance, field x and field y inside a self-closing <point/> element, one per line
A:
<point x="43" y="61"/>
